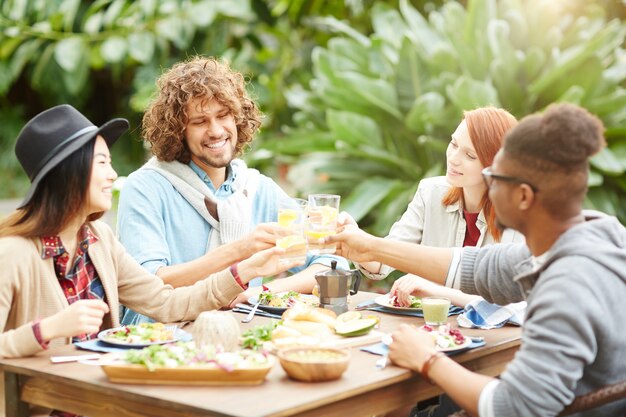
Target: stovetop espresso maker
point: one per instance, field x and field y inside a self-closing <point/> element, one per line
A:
<point x="335" y="285"/>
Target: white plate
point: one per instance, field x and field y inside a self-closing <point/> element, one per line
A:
<point x="464" y="345"/>
<point x="102" y="336"/>
<point x="309" y="299"/>
<point x="383" y="300"/>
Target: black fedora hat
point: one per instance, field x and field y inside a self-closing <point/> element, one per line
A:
<point x="54" y="134"/>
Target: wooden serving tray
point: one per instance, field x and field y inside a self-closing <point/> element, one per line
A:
<point x="139" y="374"/>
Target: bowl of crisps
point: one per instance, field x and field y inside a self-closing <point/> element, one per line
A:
<point x="314" y="364"/>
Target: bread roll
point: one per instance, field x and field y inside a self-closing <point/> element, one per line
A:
<point x="309" y="328"/>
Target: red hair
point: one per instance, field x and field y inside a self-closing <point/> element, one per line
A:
<point x="487" y="127"/>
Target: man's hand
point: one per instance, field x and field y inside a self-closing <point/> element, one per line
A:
<point x="263" y="237"/>
<point x="81" y="317"/>
<point x="353" y="243"/>
<point x="410" y="347"/>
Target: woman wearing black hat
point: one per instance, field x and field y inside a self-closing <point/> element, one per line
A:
<point x="63" y="273"/>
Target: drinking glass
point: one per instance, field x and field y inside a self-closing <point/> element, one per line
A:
<point x="291" y="218"/>
<point x="435" y="310"/>
<point x="321" y="222"/>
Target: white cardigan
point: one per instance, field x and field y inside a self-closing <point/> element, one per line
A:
<point x="428" y="222"/>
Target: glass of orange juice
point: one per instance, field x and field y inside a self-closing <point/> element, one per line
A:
<point x="291" y="218"/>
<point x="321" y="221"/>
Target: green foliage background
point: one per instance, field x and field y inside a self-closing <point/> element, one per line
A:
<point x="360" y="96"/>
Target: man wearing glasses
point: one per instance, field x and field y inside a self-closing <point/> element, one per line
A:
<point x="571" y="271"/>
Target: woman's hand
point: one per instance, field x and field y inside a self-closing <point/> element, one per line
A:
<point x="344" y="219"/>
<point x="410" y="347"/>
<point x="421" y="287"/>
<point x="414" y="285"/>
<point x="263" y="237"/>
<point x="81" y="317"/>
<point x="265" y="263"/>
<point x="353" y="243"/>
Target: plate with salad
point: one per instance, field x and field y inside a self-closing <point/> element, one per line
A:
<point x="446" y="338"/>
<point x="141" y="335"/>
<point x="184" y="363"/>
<point x="277" y="303"/>
<point x="391" y="301"/>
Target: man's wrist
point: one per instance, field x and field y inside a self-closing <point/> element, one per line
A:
<point x="429" y="362"/>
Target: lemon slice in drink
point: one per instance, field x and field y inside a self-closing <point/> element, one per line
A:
<point x="289" y="242"/>
<point x="318" y="234"/>
<point x="286" y="217"/>
<point x="329" y="215"/>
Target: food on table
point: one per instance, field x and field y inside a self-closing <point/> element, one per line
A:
<point x="414" y="302"/>
<point x="142" y="333"/>
<point x="217" y="328"/>
<point x="286" y="299"/>
<point x="314" y="355"/>
<point x="307" y="313"/>
<point x="187" y="354"/>
<point x="351" y="324"/>
<point x="258" y="337"/>
<point x="445" y="336"/>
<point x="314" y="364"/>
<point x="309" y="328"/>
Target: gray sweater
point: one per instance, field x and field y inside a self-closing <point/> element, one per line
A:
<point x="573" y="340"/>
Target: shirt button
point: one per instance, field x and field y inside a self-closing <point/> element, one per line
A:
<point x="70" y="290"/>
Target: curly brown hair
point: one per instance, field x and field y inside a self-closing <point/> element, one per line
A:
<point x="165" y="119"/>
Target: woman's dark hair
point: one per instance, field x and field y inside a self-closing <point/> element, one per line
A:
<point x="59" y="199"/>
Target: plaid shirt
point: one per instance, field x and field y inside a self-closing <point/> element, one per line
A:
<point x="82" y="281"/>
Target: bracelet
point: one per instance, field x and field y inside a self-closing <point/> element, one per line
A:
<point x="37" y="332"/>
<point x="432" y="358"/>
<point x="235" y="272"/>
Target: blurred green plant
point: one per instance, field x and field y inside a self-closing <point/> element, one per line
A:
<point x="378" y="114"/>
<point x="103" y="57"/>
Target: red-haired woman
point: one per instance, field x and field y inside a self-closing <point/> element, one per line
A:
<point x="453" y="210"/>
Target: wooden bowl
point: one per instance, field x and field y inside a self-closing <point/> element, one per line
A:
<point x="313" y="364"/>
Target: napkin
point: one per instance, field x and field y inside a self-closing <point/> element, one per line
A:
<point x="96" y="345"/>
<point x="381" y="348"/>
<point x="480" y="314"/>
<point x="372" y="306"/>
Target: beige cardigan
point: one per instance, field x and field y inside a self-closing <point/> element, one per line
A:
<point x="29" y="289"/>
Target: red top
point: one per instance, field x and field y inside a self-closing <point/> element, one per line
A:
<point x="472" y="234"/>
<point x="82" y="281"/>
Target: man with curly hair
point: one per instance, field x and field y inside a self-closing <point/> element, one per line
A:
<point x="193" y="208"/>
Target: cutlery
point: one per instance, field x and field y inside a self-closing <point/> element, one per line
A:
<point x="477" y="339"/>
<point x="257" y="313"/>
<point x="250" y="315"/>
<point x="382" y="362"/>
<point x="74" y="358"/>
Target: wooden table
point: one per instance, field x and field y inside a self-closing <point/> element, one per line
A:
<point x="362" y="391"/>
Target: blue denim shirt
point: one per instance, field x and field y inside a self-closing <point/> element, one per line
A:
<point x="158" y="227"/>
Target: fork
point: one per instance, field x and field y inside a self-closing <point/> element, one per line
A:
<point x="250" y="315"/>
<point x="382" y="362"/>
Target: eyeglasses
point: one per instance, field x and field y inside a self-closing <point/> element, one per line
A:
<point x="489" y="176"/>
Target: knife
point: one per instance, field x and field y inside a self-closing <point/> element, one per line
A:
<point x="260" y="313"/>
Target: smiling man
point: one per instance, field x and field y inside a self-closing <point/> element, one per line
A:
<point x="571" y="271"/>
<point x="194" y="209"/>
